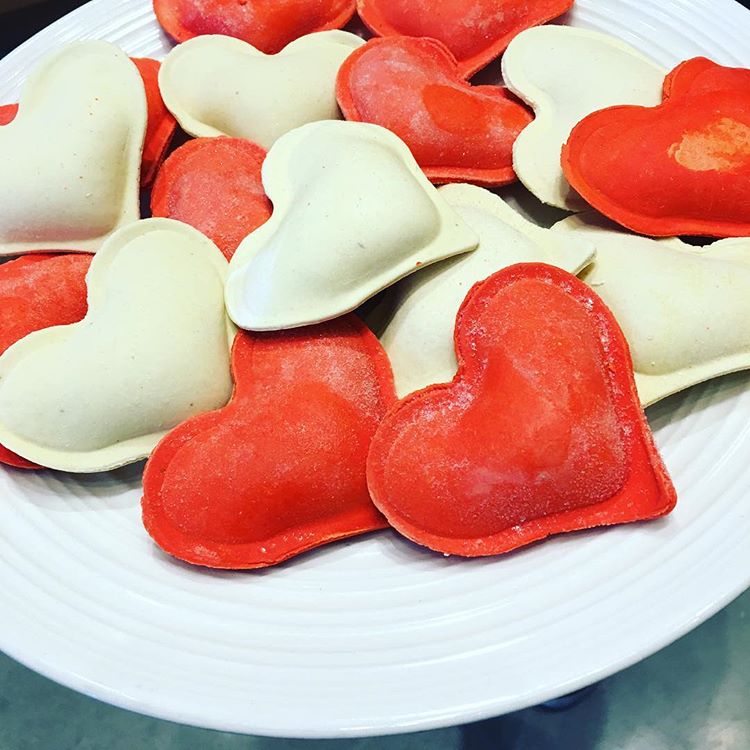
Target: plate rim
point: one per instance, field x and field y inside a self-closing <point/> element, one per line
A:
<point x="459" y="715"/>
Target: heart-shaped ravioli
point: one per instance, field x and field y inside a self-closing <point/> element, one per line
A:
<point x="353" y="214"/>
<point x="419" y="335"/>
<point x="566" y="73"/>
<point x="152" y="351"/>
<point x="268" y="25"/>
<point x="214" y="184"/>
<point x="475" y="31"/>
<point x="161" y="124"/>
<point x="280" y="469"/>
<point x="412" y="86"/>
<point x="68" y="186"/>
<point x="653" y="169"/>
<point x="39" y="291"/>
<point x="539" y="433"/>
<point x="684" y="310"/>
<point x="216" y="85"/>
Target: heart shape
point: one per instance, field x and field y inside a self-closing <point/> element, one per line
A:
<point x="152" y="351"/>
<point x="214" y="184"/>
<point x="684" y="310"/>
<point x="217" y="85"/>
<point x="650" y="169"/>
<point x="95" y="97"/>
<point x="281" y="468"/>
<point x="39" y="291"/>
<point x="419" y="334"/>
<point x="353" y="213"/>
<point x="413" y="87"/>
<point x="564" y="74"/>
<point x="268" y="25"/>
<point x="539" y="433"/>
<point x="160" y="122"/>
<point x="475" y="31"/>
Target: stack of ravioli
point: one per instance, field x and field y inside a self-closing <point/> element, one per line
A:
<point x="236" y="264"/>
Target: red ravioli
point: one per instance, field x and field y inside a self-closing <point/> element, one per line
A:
<point x="457" y="132"/>
<point x="7" y="113"/>
<point x="657" y="170"/>
<point x="214" y="184"/>
<point x="281" y="468"/>
<point x="475" y="31"/>
<point x="269" y="25"/>
<point x="540" y="432"/>
<point x="700" y="75"/>
<point x="161" y="124"/>
<point x="159" y="129"/>
<point x="39" y="291"/>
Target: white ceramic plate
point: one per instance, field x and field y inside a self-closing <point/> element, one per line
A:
<point x="375" y="636"/>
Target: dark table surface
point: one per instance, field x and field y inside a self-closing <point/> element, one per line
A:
<point x="694" y="695"/>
